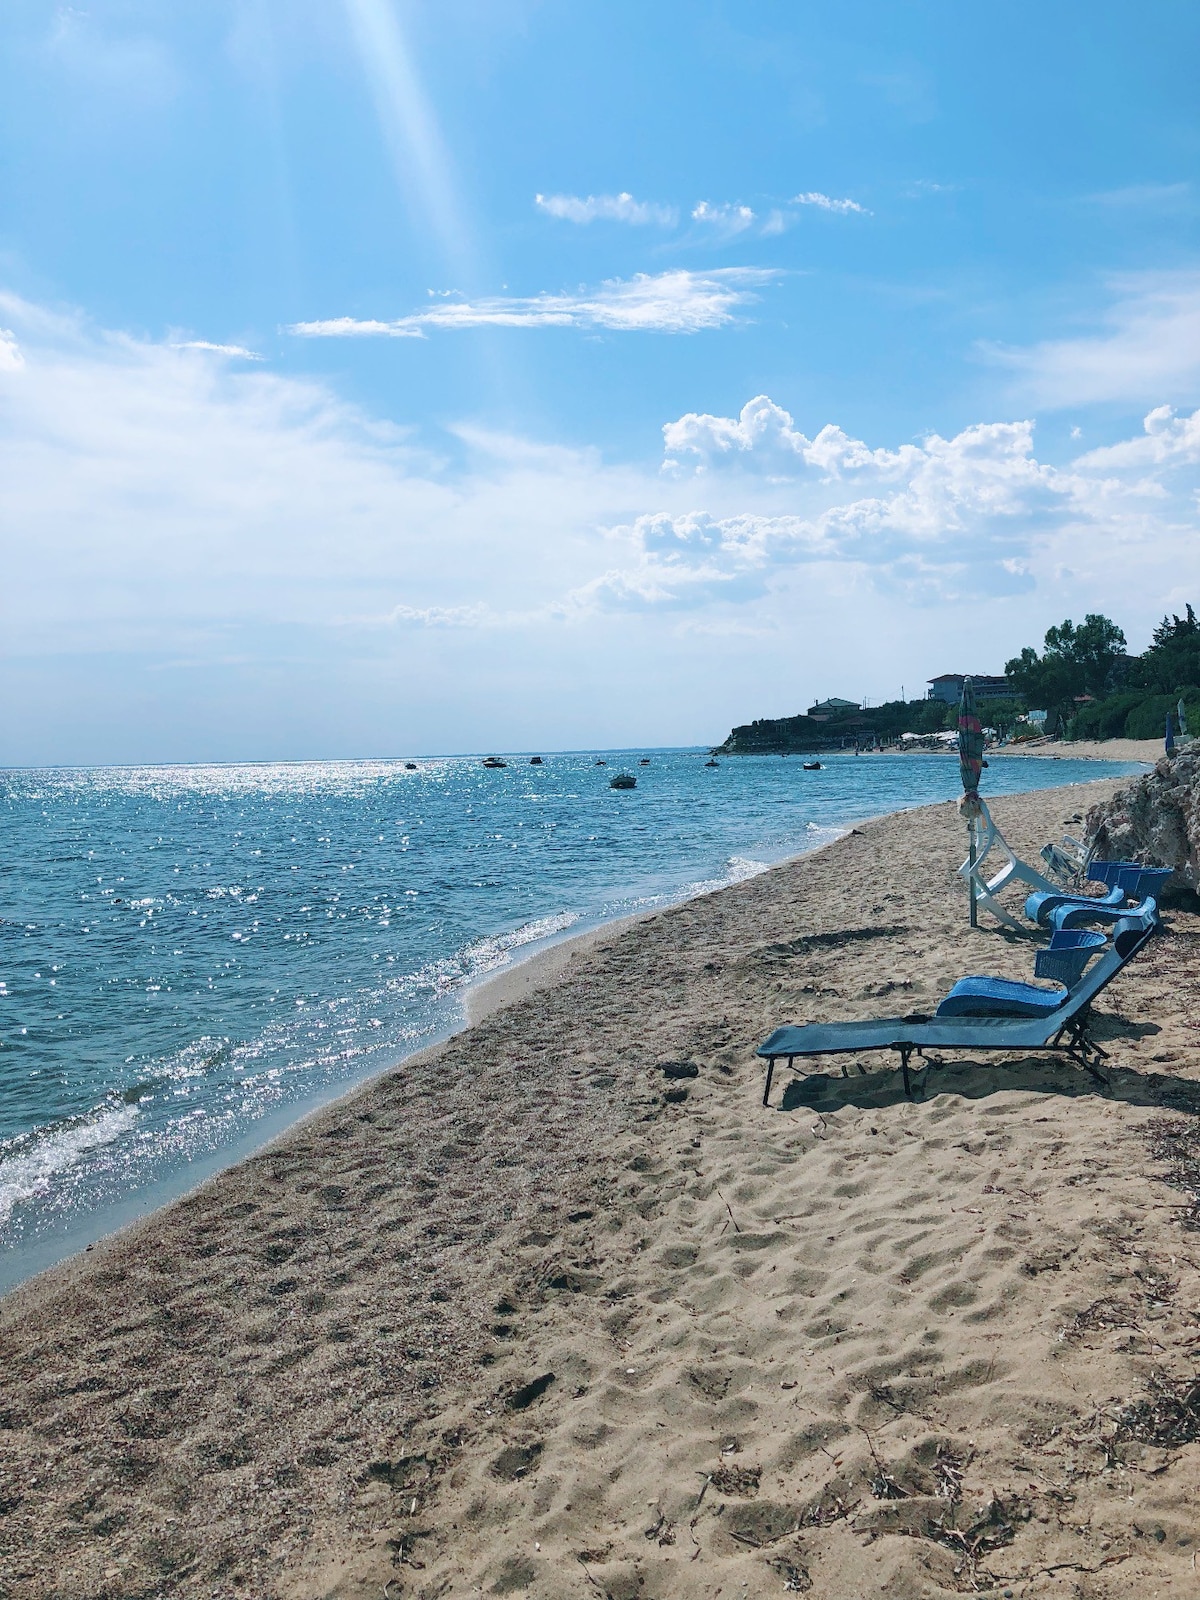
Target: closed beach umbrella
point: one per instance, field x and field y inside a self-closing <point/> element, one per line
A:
<point x="970" y="748"/>
<point x="970" y="766"/>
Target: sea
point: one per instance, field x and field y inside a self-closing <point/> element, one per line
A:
<point x="192" y="957"/>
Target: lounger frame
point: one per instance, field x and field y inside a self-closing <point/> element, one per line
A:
<point x="1065" y="1031"/>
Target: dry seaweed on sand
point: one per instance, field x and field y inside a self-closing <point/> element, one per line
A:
<point x="1175" y="1141"/>
<point x="1168" y="1414"/>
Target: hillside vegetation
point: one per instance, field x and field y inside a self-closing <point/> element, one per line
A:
<point x="1083" y="678"/>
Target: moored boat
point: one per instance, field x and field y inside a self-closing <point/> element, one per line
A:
<point x="623" y="780"/>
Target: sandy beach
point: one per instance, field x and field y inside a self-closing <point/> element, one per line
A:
<point x="1147" y="750"/>
<point x="559" y="1309"/>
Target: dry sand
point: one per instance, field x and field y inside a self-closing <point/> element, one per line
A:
<point x="532" y="1316"/>
<point x="1148" y="750"/>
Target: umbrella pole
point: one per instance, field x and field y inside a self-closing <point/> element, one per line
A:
<point x="971" y="879"/>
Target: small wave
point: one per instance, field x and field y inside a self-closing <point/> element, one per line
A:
<point x="488" y="954"/>
<point x="737" y="870"/>
<point x="30" y="1165"/>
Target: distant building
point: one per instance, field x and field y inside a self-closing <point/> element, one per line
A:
<point x="948" y="687"/>
<point x="829" y="708"/>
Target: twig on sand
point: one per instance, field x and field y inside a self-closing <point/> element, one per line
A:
<point x="883" y="1486"/>
<point x="729" y="1208"/>
<point x="1067" y="1566"/>
<point x="587" y="1574"/>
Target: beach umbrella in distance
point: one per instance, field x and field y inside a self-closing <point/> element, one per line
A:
<point x="970" y="766"/>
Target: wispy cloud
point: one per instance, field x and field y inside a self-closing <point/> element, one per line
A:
<point x="825" y="202"/>
<point x="606" y="208"/>
<point x="1148" y="347"/>
<point x="237" y="350"/>
<point x="11" y="359"/>
<point x="306" y="533"/>
<point x="727" y="219"/>
<point x="666" y="302"/>
<point x="472" y="616"/>
<point x="1146" y="196"/>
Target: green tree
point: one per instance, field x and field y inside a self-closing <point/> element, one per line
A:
<point x="1077" y="659"/>
<point x="1173" y="660"/>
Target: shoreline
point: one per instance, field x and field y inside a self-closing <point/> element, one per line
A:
<point x="503" y="1307"/>
<point x="533" y="968"/>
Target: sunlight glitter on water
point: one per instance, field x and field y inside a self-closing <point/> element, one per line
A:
<point x="190" y="956"/>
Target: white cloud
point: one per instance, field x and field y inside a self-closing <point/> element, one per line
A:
<point x="606" y="208"/>
<point x="235" y="350"/>
<point x="1167" y="440"/>
<point x="311" y="565"/>
<point x="824" y="202"/>
<point x="968" y="515"/>
<point x="358" y="328"/>
<point x="11" y="359"/>
<point x="1148" y="349"/>
<point x="765" y="432"/>
<point x="441" y="616"/>
<point x="666" y="302"/>
<point x="725" y="219"/>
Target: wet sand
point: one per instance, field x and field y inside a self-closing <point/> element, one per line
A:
<point x="558" y="1309"/>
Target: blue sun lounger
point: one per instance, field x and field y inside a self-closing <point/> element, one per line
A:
<point x="1061" y="1027"/>
<point x="1085" y="912"/>
<point x="1126" y="880"/>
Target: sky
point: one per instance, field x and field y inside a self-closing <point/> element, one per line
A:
<point x="382" y="378"/>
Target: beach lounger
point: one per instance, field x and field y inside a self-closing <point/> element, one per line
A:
<point x="1064" y="960"/>
<point x="1062" y="1029"/>
<point x="1067" y="862"/>
<point x="1136" y="880"/>
<point x="1127" y="881"/>
<point x="1039" y="907"/>
<point x="1079" y="913"/>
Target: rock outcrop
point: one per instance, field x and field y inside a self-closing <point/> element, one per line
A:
<point x="1155" y="820"/>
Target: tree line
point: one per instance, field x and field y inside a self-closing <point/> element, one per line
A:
<point x="1091" y="687"/>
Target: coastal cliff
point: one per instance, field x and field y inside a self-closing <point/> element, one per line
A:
<point x="803" y="734"/>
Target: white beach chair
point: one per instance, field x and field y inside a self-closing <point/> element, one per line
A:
<point x="987" y="839"/>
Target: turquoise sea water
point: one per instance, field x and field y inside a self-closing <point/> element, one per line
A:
<point x="191" y="957"/>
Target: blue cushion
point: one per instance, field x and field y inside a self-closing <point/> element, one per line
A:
<point x="1000" y="997"/>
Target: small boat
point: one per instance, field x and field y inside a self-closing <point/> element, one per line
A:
<point x="812" y="766"/>
<point x="601" y="763"/>
<point x="410" y="766"/>
<point x="494" y="761"/>
<point x="644" y="762"/>
<point x="623" y="780"/>
<point x="536" y="761"/>
<point x="712" y="762"/>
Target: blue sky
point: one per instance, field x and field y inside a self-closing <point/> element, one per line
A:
<point x="380" y="378"/>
